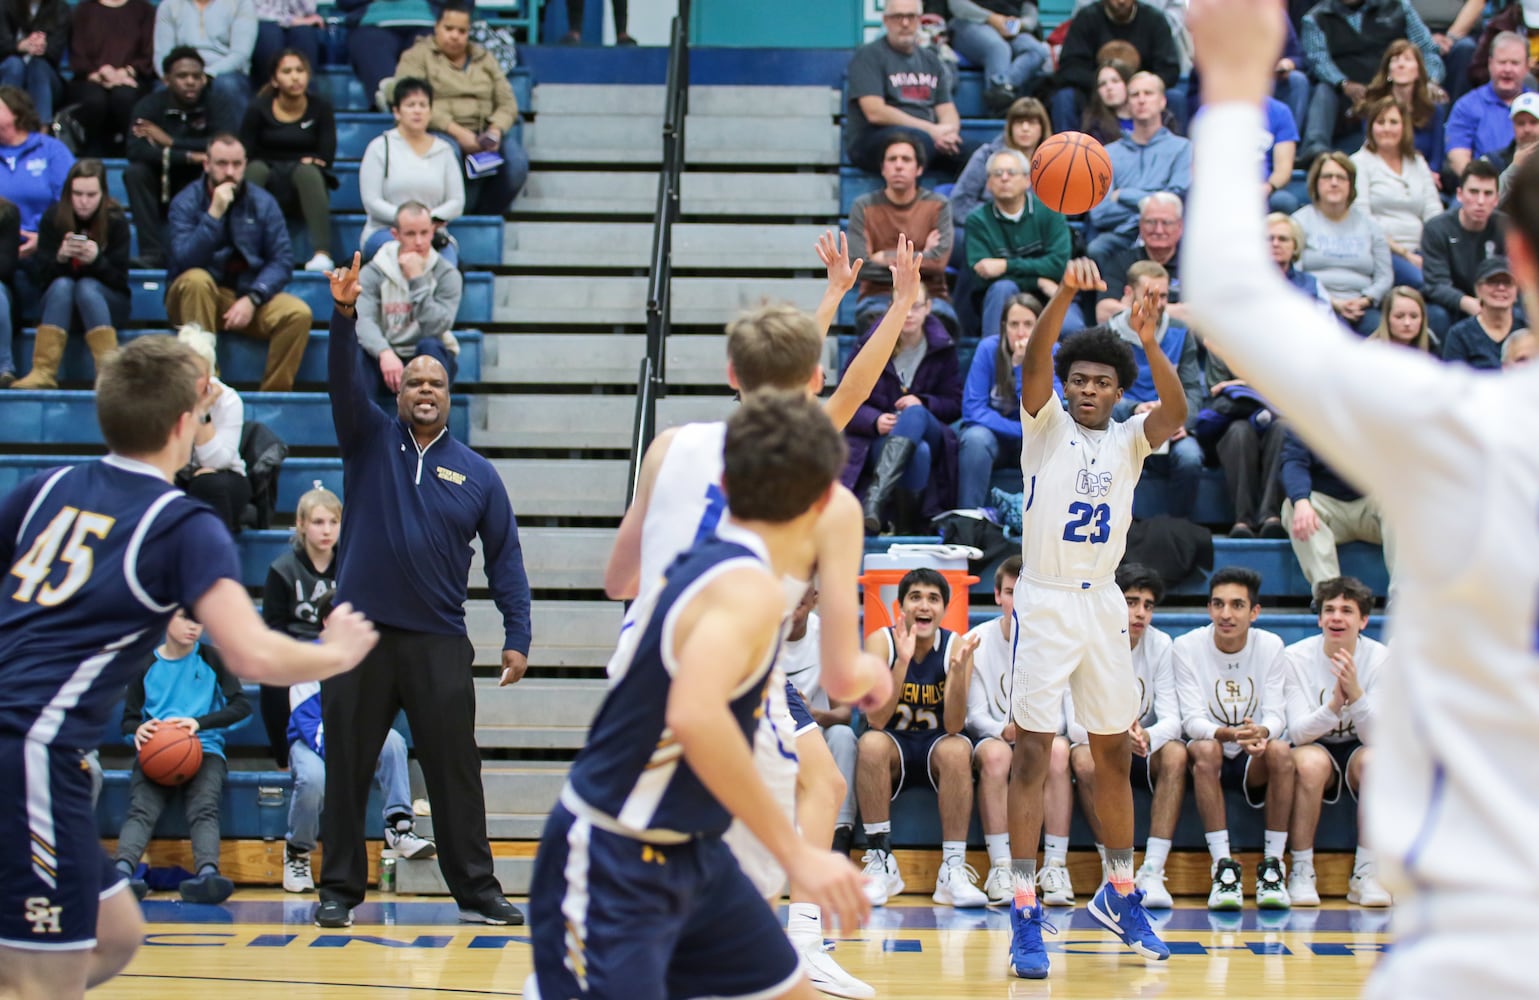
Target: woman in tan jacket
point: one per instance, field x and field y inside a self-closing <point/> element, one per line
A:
<point x="473" y="107"/>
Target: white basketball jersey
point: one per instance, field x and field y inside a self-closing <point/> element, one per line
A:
<point x="1311" y="682"/>
<point x="687" y="500"/>
<point x="803" y="666"/>
<point x="1224" y="689"/>
<point x="1079" y="494"/>
<point x="1159" y="708"/>
<point x="988" y="693"/>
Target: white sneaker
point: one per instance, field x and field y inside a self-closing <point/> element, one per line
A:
<point x="957" y="885"/>
<point x="1000" y="885"/>
<point x="321" y="262"/>
<point x="882" y="878"/>
<point x="828" y="977"/>
<point x="1301" y="884"/>
<point x="1151" y="882"/>
<point x="1056" y="888"/>
<point x="1364" y="888"/>
<point x="296" y="873"/>
<point x="403" y="840"/>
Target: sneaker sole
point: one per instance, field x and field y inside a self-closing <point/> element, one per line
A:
<point x="1226" y="906"/>
<point x="1357" y="900"/>
<point x="213" y="892"/>
<point x="422" y="853"/>
<point x="1274" y="904"/>
<point x="334" y="924"/>
<point x="847" y="986"/>
<point x="1001" y="902"/>
<point x="1028" y="974"/>
<point x="1057" y="900"/>
<point x="1104" y="919"/>
<point x="472" y="917"/>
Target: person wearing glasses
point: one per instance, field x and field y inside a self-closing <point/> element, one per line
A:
<point x="1344" y="248"/>
<point x="898" y="86"/>
<point x="1015" y="243"/>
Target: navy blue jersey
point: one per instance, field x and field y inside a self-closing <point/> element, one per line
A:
<point x="922" y="700"/>
<point x="632" y="771"/>
<point x="100" y="556"/>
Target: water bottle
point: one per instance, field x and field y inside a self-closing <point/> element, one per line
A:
<point x="1012" y="26"/>
<point x="387" y="873"/>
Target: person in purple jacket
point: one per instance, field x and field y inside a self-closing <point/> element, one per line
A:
<point x="899" y="437"/>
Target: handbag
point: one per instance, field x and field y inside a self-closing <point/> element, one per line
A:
<point x="66" y="128"/>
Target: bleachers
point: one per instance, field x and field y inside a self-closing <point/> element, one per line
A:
<point x="147" y="291"/>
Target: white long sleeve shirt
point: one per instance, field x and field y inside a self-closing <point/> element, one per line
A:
<point x="1311" y="682"/>
<point x="1217" y="689"/>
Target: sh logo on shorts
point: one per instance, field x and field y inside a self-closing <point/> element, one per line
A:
<point x="43" y="916"/>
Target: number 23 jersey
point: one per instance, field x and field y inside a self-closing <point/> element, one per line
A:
<point x="1079" y="493"/>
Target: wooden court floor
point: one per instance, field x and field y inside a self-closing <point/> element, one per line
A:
<point x="261" y="945"/>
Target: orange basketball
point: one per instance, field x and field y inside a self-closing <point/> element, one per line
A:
<point x="1071" y="173"/>
<point x="171" y="756"/>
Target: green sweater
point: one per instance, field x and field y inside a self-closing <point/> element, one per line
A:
<point x="1035" y="246"/>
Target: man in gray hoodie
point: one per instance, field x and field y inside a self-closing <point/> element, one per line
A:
<point x="1151" y="158"/>
<point x="409" y="298"/>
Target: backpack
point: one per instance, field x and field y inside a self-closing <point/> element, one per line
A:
<point x="263" y="452"/>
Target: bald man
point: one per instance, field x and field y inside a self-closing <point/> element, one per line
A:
<point x="417" y="499"/>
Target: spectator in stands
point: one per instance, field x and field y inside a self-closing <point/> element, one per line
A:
<point x="230" y="260"/>
<point x="1245" y="435"/>
<point x="1277" y="161"/>
<point x="1143" y="26"/>
<point x="1331" y="682"/>
<point x="1148" y="159"/>
<point x="1015" y="243"/>
<point x="916" y="738"/>
<point x="1405" y="321"/>
<point x="10" y="245"/>
<point x="1451" y="29"/>
<point x="291" y="136"/>
<point x="112" y="56"/>
<point x="1520" y="348"/>
<point x="36" y="34"/>
<point x="82" y="261"/>
<point x="1525" y="138"/>
<point x="900" y="437"/>
<point x="216" y="474"/>
<point x="1000" y="36"/>
<point x="1344" y="248"/>
<point x="299" y="585"/>
<point x="285" y="25"/>
<point x="1480" y="123"/>
<point x="409" y="299"/>
<point x="799" y="659"/>
<point x="224" y="33"/>
<point x="1395" y="186"/>
<point x="33" y="165"/>
<point x="1345" y="42"/>
<point x="185" y="685"/>
<point x="307" y="761"/>
<point x="991" y="403"/>
<point x="1159" y="752"/>
<point x="574" y="15"/>
<point x="473" y="107"/>
<point x="899" y="87"/>
<point x="1454" y="243"/>
<point x="1292" y="86"/>
<point x="1403" y="75"/>
<point x="1026" y="126"/>
<point x="1477" y="340"/>
<point x="1107" y="115"/>
<point x="1230" y="685"/>
<point x="900" y="207"/>
<point x="409" y="163"/>
<point x="1323" y="511"/>
<point x="1183" y="460"/>
<point x="167" y="149"/>
<point x="1286" y="238"/>
<point x="1160" y="227"/>
<point x="423" y="660"/>
<point x="378" y="32"/>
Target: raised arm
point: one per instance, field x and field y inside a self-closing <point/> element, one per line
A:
<point x="1170" y="416"/>
<point x="834" y="251"/>
<point x="866" y="367"/>
<point x="1037" y="369"/>
<point x="352" y="411"/>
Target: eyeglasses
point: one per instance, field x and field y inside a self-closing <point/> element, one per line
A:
<point x="1006" y="172"/>
<point x="1334" y="177"/>
<point x="900" y="17"/>
<point x="1161" y="223"/>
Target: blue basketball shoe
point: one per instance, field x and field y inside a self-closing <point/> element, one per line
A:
<point x="1028" y="958"/>
<point x="1125" y="917"/>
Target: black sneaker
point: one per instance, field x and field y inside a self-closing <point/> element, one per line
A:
<point x="209" y="887"/>
<point x="333" y="913"/>
<point x="495" y="910"/>
<point x="139" y="887"/>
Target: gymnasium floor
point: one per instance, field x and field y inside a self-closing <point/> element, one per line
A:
<point x="262" y="946"/>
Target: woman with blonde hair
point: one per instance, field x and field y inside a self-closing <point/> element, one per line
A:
<point x="216" y="475"/>
<point x="1405" y="320"/>
<point x="1026" y="127"/>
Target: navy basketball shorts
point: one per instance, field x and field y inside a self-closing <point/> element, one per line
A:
<point x="1232" y="777"/>
<point x="53" y="872"/>
<point x="613" y="917"/>
<point x="914" y="748"/>
<point x="1341" y="759"/>
<point x="801" y="715"/>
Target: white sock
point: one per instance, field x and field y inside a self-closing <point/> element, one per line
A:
<point x="1276" y="843"/>
<point x="1218" y="844"/>
<point x="953" y="852"/>
<point x="1155" y="853"/>
<point x="805" y="926"/>
<point x="1101" y="850"/>
<point x="1057" y="850"/>
<point x="1364" y="856"/>
<point x="999" y="849"/>
<point x="871" y="828"/>
<point x="1304" y="858"/>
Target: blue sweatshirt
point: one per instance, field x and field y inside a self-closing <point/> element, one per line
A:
<point x="978" y="402"/>
<point x="1164" y="163"/>
<point x="405" y="557"/>
<point x="32" y="175"/>
<point x="305" y="717"/>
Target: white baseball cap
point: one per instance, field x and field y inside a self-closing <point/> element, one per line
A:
<point x="1525" y="104"/>
<point x="1531" y="13"/>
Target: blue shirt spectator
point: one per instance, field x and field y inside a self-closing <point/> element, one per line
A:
<point x="1480" y="123"/>
<point x="33" y="164"/>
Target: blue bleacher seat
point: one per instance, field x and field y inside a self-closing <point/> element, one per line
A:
<point x="241" y="359"/>
<point x="981" y="130"/>
<point x="297" y="475"/>
<point x="147" y="290"/>
<point x="967" y="95"/>
<point x="68" y="417"/>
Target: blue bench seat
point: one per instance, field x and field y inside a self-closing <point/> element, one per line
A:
<point x="147" y="291"/>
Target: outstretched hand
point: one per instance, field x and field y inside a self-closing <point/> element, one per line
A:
<point x="1145" y="316"/>
<point x="834" y="251"/>
<point x="1081" y="275"/>
<point x="902" y="633"/>
<point x="1237" y="44"/>
<point x="905" y="271"/>
<point x="344" y="282"/>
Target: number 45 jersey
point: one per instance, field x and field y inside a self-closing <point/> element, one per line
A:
<point x="98" y="557"/>
<point x="1079" y="494"/>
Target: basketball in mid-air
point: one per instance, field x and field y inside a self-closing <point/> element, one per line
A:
<point x="171" y="756"/>
<point x="1071" y="173"/>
